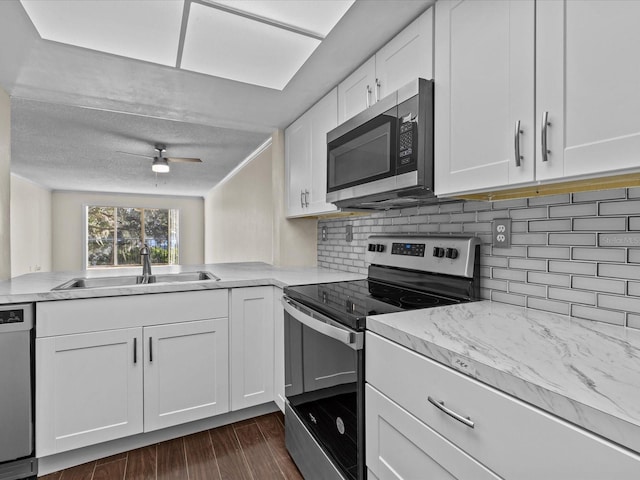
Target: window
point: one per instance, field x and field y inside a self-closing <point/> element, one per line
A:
<point x="116" y="234"/>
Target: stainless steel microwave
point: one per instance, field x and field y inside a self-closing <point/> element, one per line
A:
<point x="383" y="157"/>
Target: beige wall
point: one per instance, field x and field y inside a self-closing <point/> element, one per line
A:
<point x="68" y="224"/>
<point x="239" y="215"/>
<point x="245" y="216"/>
<point x="30" y="227"/>
<point x="5" y="185"/>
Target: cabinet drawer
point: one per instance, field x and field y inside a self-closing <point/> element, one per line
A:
<point x="511" y="438"/>
<point x="66" y="317"/>
<point x="399" y="446"/>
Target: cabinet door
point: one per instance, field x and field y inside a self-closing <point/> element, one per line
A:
<point x="186" y="374"/>
<point x="484" y="56"/>
<point x="399" y="446"/>
<point x="278" y="356"/>
<point x="88" y="389"/>
<point x="407" y="57"/>
<point x="355" y="93"/>
<point x="324" y="117"/>
<point x="587" y="81"/>
<point x="252" y="346"/>
<point x="297" y="145"/>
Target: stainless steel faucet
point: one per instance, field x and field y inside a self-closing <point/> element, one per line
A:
<point x="146" y="263"/>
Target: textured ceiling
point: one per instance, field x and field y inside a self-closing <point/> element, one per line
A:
<point x="73" y="109"/>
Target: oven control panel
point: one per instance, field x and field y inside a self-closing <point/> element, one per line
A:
<point x="450" y="255"/>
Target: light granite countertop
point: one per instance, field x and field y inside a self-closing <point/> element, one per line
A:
<point x="37" y="287"/>
<point x="583" y="371"/>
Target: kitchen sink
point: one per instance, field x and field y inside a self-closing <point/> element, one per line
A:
<point x="128" y="280"/>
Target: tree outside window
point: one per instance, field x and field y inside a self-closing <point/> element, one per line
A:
<point x="116" y="234"/>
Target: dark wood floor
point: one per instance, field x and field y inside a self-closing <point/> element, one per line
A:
<point x="249" y="450"/>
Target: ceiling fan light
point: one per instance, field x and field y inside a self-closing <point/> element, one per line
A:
<point x="160" y="165"/>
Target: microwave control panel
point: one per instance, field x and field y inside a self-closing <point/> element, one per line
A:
<point x="407" y="140"/>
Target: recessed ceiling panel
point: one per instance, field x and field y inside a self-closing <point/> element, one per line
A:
<point x="312" y="15"/>
<point x="140" y="29"/>
<point x="234" y="47"/>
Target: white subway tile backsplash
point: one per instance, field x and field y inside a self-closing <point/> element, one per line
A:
<point x="576" y="254"/>
<point x="598" y="284"/>
<point x="571" y="295"/>
<point x="562" y="253"/>
<point x="548" y="305"/>
<point x="597" y="314"/>
<point x="578" y="210"/>
<point x="563" y="225"/>
<point x="528" y="289"/>
<point x="617" y="193"/>
<point x="612" y="270"/>
<point x="598" y="254"/>
<point x="599" y="224"/>
<point x="577" y="268"/>
<point x="585" y="239"/>
<point x="549" y="279"/>
<point x="627" y="304"/>
<point x="629" y="207"/>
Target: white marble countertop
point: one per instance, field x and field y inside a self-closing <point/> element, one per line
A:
<point x="583" y="371"/>
<point x="37" y="287"/>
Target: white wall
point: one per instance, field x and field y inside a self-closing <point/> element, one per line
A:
<point x="68" y="232"/>
<point x="245" y="217"/>
<point x="5" y="185"/>
<point x="30" y="227"/>
<point x="239" y="215"/>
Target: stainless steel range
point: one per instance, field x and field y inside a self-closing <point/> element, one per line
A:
<point x="324" y="341"/>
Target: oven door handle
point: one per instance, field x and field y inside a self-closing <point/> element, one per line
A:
<point x="343" y="335"/>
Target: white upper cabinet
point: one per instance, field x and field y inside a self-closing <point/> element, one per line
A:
<point x="355" y="93"/>
<point x="306" y="158"/>
<point x="587" y="80"/>
<point x="409" y="55"/>
<point x="586" y="121"/>
<point x="484" y="63"/>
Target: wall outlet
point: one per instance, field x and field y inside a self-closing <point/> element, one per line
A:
<point x="324" y="233"/>
<point x="501" y="232"/>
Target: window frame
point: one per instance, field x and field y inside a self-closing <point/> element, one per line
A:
<point x="85" y="235"/>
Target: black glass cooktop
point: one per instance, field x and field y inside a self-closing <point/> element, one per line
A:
<point x="351" y="302"/>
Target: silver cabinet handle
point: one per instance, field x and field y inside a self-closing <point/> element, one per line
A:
<point x="440" y="406"/>
<point x="516" y="143"/>
<point x="135" y="350"/>
<point x="301" y="198"/>
<point x="318" y="323"/>
<point x="377" y="90"/>
<point x="150" y="349"/>
<point x="368" y="96"/>
<point x="543" y="136"/>
<point x="306" y="198"/>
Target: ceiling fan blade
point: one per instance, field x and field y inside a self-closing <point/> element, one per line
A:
<point x="183" y="160"/>
<point x="136" y="155"/>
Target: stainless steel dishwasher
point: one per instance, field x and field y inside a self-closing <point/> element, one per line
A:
<point x="17" y="459"/>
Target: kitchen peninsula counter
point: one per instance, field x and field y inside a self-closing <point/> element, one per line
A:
<point x="37" y="287"/>
<point x="583" y="371"/>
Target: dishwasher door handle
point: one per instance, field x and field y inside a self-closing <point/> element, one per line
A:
<point x="343" y="335"/>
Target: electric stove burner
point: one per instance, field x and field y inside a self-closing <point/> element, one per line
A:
<point x="418" y="301"/>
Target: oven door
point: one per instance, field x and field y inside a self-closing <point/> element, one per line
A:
<point x="324" y="389"/>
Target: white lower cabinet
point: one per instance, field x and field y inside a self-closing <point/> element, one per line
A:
<point x="252" y="346"/>
<point x="278" y="344"/>
<point x="96" y="382"/>
<point x="399" y="446"/>
<point x="512" y="439"/>
<point x="89" y="389"/>
<point x="186" y="374"/>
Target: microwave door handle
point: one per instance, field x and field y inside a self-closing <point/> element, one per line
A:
<point x="352" y="339"/>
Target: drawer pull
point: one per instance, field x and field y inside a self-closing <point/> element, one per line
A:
<point x="440" y="406"/>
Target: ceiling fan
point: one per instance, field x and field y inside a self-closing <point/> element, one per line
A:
<point x="160" y="162"/>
